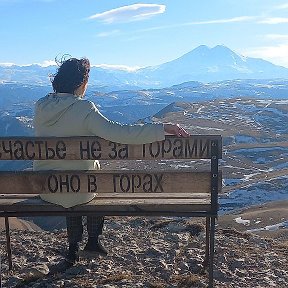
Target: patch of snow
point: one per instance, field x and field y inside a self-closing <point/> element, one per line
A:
<point x="249" y="176"/>
<point x="255" y="194"/>
<point x="262" y="101"/>
<point x="280" y="166"/>
<point x="208" y="128"/>
<point x="274" y="227"/>
<point x="239" y="220"/>
<point x="231" y="181"/>
<point x="7" y="127"/>
<point x="244" y="139"/>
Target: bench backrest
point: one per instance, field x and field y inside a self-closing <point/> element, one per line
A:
<point x="192" y="180"/>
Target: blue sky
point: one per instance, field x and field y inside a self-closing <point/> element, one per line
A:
<point x="137" y="34"/>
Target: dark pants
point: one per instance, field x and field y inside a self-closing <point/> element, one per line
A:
<point x="75" y="228"/>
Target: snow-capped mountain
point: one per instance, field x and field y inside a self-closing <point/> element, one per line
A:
<point x="201" y="64"/>
<point x="28" y="74"/>
<point x="212" y="64"/>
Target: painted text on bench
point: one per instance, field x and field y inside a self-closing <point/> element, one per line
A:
<point x="123" y="183"/>
<point x="170" y="148"/>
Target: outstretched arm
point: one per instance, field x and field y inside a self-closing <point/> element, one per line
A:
<point x="175" y="129"/>
<point x="99" y="125"/>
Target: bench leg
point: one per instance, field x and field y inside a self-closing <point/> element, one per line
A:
<point x="8" y="242"/>
<point x="211" y="250"/>
<point x="207" y="252"/>
<point x="0" y="271"/>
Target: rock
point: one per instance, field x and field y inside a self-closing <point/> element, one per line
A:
<point x="13" y="281"/>
<point x="237" y="263"/>
<point x="35" y="272"/>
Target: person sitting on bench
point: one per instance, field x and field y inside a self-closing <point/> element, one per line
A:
<point x="65" y="113"/>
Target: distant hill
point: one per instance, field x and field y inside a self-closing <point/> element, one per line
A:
<point x="19" y="224"/>
<point x="17" y="100"/>
<point x="202" y="64"/>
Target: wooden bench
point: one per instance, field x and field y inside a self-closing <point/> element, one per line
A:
<point x="192" y="192"/>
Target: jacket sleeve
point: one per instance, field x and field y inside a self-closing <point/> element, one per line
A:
<point x="99" y="125"/>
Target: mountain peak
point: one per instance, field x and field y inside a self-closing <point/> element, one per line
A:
<point x="221" y="48"/>
<point x="204" y="53"/>
<point x="206" y="57"/>
<point x="218" y="49"/>
<point x="201" y="48"/>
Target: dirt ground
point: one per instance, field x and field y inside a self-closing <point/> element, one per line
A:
<point x="260" y="217"/>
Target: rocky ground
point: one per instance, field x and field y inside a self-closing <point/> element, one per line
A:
<point x="152" y="253"/>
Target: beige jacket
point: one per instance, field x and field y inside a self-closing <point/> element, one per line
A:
<point x="65" y="114"/>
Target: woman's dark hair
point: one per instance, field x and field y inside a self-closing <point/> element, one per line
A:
<point x="71" y="74"/>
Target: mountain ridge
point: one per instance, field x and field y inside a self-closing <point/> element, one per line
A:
<point x="201" y="64"/>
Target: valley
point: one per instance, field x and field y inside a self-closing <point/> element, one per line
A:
<point x="252" y="124"/>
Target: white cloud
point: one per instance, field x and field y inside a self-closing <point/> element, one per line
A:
<point x="205" y="22"/>
<point x="281" y="7"/>
<point x="47" y="63"/>
<point x="277" y="54"/>
<point x="179" y="25"/>
<point x="129" y="13"/>
<point x="6" y="64"/>
<point x="280" y="37"/>
<point x="220" y="21"/>
<point x="117" y="67"/>
<point x="108" y="33"/>
<point x="274" y="20"/>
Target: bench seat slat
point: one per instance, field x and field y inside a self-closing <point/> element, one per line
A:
<point x="123" y="196"/>
<point x="110" y="204"/>
<point x="4" y="203"/>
